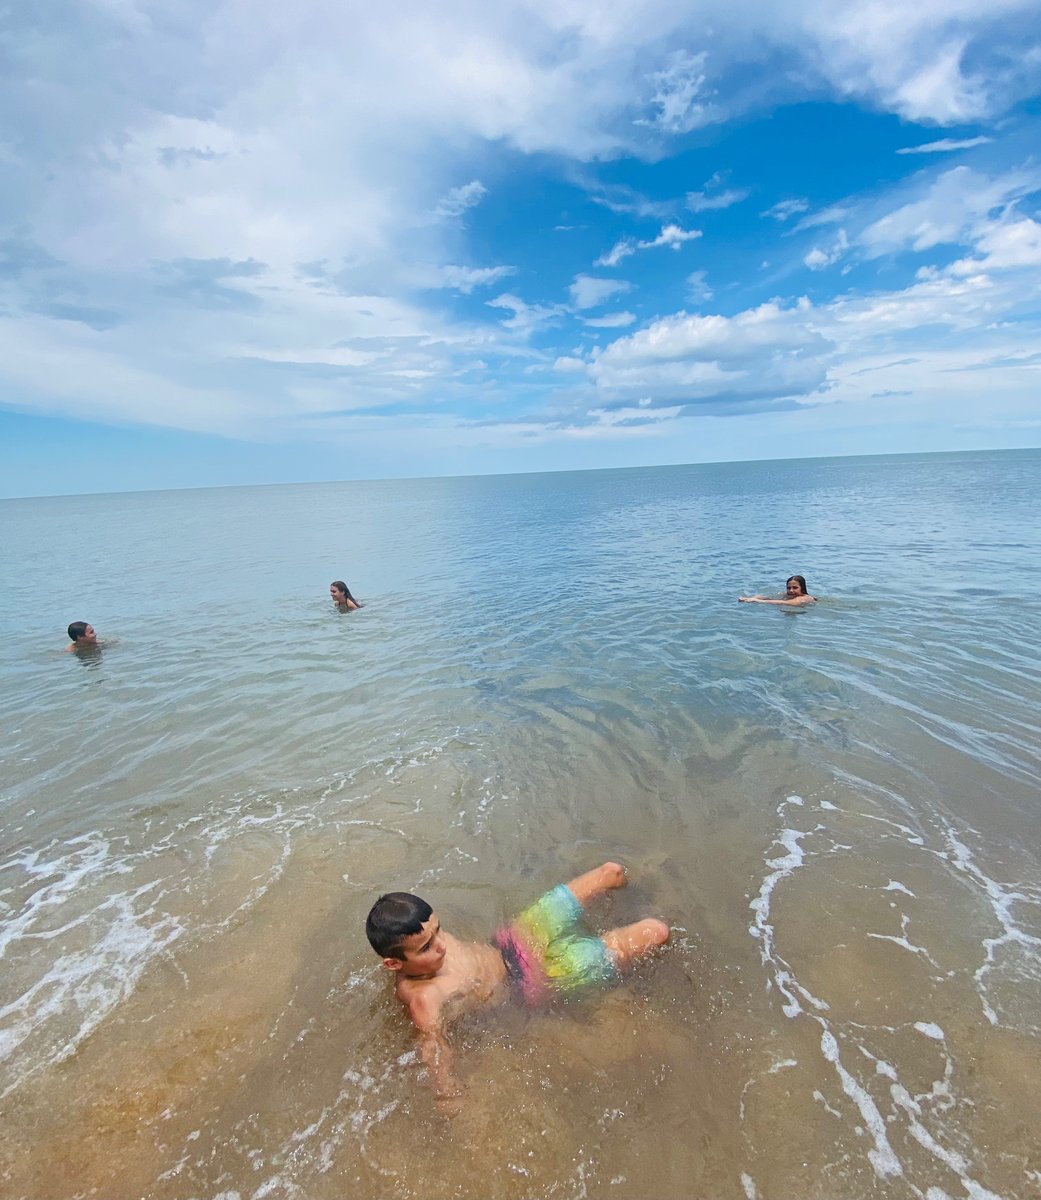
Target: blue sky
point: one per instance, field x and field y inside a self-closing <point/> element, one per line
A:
<point x="257" y="242"/>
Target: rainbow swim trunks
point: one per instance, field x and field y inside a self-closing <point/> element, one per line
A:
<point x="547" y="953"/>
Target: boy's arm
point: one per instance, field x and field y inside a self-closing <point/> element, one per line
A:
<point x="434" y="1049"/>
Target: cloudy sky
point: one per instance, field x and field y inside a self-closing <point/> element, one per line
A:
<point x="258" y="242"/>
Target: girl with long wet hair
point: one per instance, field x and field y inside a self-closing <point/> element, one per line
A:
<point x="342" y="597"/>
<point x="795" y="594"/>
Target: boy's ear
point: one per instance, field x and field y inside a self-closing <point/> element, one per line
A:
<point x="393" y="964"/>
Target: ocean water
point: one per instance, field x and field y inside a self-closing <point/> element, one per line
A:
<point x="836" y="809"/>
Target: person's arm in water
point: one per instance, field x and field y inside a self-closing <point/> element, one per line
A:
<point x="427" y="1013"/>
<point x="797" y="602"/>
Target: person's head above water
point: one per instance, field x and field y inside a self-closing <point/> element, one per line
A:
<point x="81" y="634"/>
<point x="341" y="594"/>
<point x="392" y="926"/>
<point x="796" y="594"/>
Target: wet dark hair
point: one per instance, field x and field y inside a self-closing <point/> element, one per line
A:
<point x="342" y="587"/>
<point x="77" y="629"/>
<point x="394" y="917"/>
<point x="800" y="580"/>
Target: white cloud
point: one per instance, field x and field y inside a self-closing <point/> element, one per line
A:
<point x="465" y="279"/>
<point x="950" y="319"/>
<point x="642" y="414"/>
<point x="765" y="354"/>
<point x="784" y="209"/>
<point x="817" y="259"/>
<point x="672" y="236"/>
<point x="588" y="292"/>
<point x="952" y="304"/>
<point x="946" y="145"/>
<point x="697" y="283"/>
<point x="953" y="207"/>
<point x="834" y="214"/>
<point x="1006" y="245"/>
<point x="526" y="317"/>
<point x="329" y="134"/>
<point x="50" y="362"/>
<point x="618" y="251"/>
<point x="459" y="199"/>
<point x="678" y="88"/>
<point x="618" y="320"/>
<point x="618" y="198"/>
<point x="707" y="201"/>
<point x="911" y="59"/>
<point x="946" y="211"/>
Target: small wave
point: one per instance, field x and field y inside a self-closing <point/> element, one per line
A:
<point x="848" y="1037"/>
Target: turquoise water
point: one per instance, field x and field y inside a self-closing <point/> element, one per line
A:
<point x="836" y="809"/>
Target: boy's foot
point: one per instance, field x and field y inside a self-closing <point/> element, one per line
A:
<point x="605" y="878"/>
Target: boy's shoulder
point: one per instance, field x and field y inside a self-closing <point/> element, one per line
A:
<point x="424" y="999"/>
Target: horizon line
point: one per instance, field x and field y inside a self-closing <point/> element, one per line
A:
<point x="723" y="462"/>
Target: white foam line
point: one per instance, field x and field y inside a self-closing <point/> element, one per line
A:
<point x="175" y="1170"/>
<point x="763" y="931"/>
<point x="857" y="784"/>
<point x="893" y="886"/>
<point x="915" y="839"/>
<point x="128" y="942"/>
<point x="930" y="1030"/>
<point x="278" y="1183"/>
<point x="905" y="944"/>
<point x="332" y="1125"/>
<point x="950" y="1158"/>
<point x="84" y="987"/>
<point x="823" y="1102"/>
<point x="1001" y="899"/>
<point x="72" y="869"/>
<point x="783" y="1065"/>
<point x="882" y="1158"/>
<point x="252" y="820"/>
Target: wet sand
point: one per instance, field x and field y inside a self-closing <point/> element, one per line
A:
<point x="815" y="1027"/>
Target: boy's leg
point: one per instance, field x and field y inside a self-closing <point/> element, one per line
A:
<point x="633" y="941"/>
<point x="602" y="879"/>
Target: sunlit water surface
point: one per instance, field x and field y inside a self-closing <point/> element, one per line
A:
<point x="836" y="809"/>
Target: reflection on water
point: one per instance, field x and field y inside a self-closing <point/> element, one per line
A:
<point x="89" y="656"/>
<point x="837" y="814"/>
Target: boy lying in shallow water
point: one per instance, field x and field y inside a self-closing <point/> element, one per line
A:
<point x="545" y="953"/>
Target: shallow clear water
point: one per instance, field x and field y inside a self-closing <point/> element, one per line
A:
<point x="836" y="809"/>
